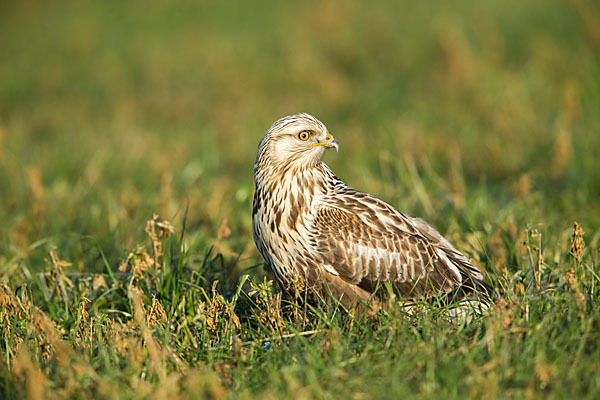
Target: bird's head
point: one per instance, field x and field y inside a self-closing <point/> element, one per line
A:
<point x="296" y="138"/>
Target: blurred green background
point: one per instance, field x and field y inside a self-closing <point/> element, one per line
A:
<point x="473" y="115"/>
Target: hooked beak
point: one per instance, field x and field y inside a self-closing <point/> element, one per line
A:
<point x="331" y="142"/>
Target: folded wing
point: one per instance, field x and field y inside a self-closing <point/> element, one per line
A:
<point x="368" y="243"/>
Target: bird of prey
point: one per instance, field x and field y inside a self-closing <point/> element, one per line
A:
<point x="321" y="237"/>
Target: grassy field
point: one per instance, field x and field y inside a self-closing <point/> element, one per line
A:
<point x="481" y="117"/>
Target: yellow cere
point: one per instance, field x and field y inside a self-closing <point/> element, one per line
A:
<point x="328" y="137"/>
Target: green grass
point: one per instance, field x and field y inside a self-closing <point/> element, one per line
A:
<point x="480" y="117"/>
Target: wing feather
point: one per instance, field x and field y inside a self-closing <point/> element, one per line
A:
<point x="367" y="242"/>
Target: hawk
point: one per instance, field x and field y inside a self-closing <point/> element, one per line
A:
<point x="322" y="237"/>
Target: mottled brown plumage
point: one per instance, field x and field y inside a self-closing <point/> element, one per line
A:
<point x="318" y="234"/>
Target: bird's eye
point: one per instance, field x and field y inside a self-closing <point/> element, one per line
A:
<point x="304" y="135"/>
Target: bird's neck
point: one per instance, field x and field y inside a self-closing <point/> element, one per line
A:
<point x="308" y="181"/>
